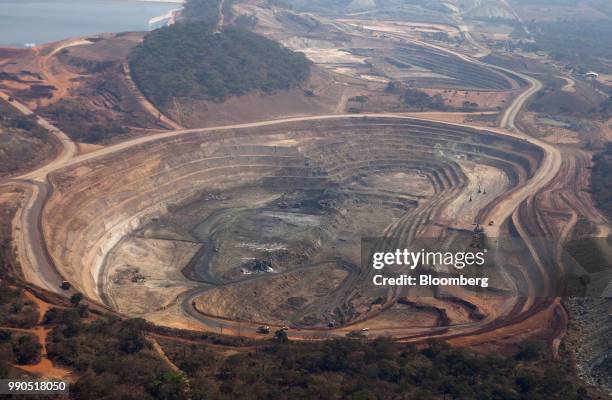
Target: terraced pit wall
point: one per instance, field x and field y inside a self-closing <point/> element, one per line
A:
<point x="97" y="203"/>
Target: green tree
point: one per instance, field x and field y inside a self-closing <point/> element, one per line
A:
<point x="169" y="386"/>
<point x="26" y="350"/>
<point x="75" y="299"/>
<point x="131" y="336"/>
<point x="281" y="336"/>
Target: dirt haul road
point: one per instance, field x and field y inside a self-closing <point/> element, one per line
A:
<point x="68" y="150"/>
<point x="29" y="243"/>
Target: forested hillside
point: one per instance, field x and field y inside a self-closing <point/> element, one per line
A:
<point x="191" y="60"/>
<point x="202" y="10"/>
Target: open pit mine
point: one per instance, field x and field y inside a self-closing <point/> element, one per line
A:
<point x="238" y="227"/>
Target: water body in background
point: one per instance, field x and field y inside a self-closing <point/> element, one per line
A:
<point x="42" y="21"/>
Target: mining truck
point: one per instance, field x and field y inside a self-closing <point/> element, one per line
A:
<point x="263" y="329"/>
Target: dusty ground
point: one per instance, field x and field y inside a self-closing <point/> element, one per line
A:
<point x="484" y="184"/>
<point x="402" y="27"/>
<point x="276" y="300"/>
<point x="550" y="132"/>
<point x="84" y="148"/>
<point x="77" y="84"/>
<point x="142" y="273"/>
<point x="476" y="119"/>
<point x="477" y="100"/>
<point x="44" y="368"/>
<point x="327" y="94"/>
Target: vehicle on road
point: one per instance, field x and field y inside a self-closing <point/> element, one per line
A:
<point x="263" y="330"/>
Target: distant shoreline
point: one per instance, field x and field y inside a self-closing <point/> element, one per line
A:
<point x="23" y="30"/>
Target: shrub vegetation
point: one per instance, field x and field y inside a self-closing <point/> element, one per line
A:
<point x="115" y="360"/>
<point x="192" y="60"/>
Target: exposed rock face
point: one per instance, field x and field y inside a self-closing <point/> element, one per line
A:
<point x="322" y="182"/>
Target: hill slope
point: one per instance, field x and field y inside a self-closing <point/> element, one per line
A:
<point x="190" y="60"/>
